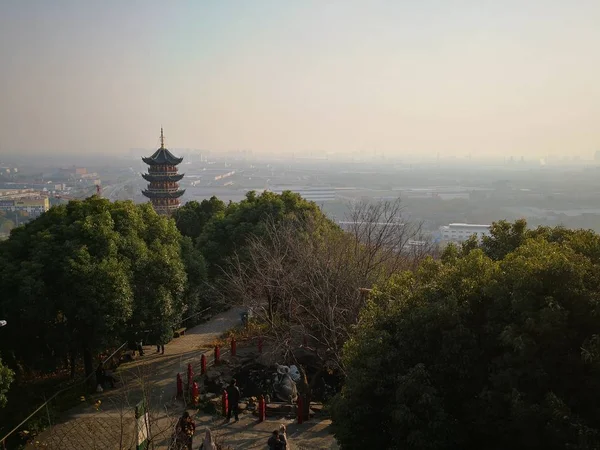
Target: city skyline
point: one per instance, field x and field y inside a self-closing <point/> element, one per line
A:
<point x="431" y="78"/>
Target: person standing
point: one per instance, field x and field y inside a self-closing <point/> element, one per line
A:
<point x="233" y="397"/>
<point x="160" y="347"/>
<point x="185" y="430"/>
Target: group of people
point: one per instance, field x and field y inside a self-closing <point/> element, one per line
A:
<point x="138" y="345"/>
<point x="184" y="432"/>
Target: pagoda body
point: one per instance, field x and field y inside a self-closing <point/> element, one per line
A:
<point x="163" y="187"/>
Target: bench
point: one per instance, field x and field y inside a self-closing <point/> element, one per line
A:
<point x="179" y="332"/>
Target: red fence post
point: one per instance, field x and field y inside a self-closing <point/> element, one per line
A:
<point x="179" y="385"/>
<point x="217" y="354"/>
<point x="260" y="344"/>
<point x="261" y="408"/>
<point x="233" y="347"/>
<point x="203" y="364"/>
<point x="300" y="410"/>
<point x="225" y="403"/>
<point x="195" y="394"/>
<point x="190" y="376"/>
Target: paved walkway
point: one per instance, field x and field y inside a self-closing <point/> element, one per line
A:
<point x="111" y="424"/>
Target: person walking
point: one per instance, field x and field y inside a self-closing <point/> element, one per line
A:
<point x="233" y="398"/>
<point x="160" y="347"/>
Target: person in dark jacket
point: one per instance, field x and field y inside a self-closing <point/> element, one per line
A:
<point x="102" y="377"/>
<point x="186" y="427"/>
<point x="274" y="443"/>
<point x="233" y="398"/>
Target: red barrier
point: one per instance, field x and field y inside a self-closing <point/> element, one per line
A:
<point x="262" y="409"/>
<point x="190" y="376"/>
<point x="225" y="403"/>
<point x="300" y="410"/>
<point x="260" y="344"/>
<point x="203" y="364"/>
<point x="217" y="354"/>
<point x="233" y="347"/>
<point x="195" y="394"/>
<point x="179" y="385"/>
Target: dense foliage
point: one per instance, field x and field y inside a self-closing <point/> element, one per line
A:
<point x="83" y="277"/>
<point x="228" y="233"/>
<point x="192" y="217"/>
<point x="86" y="276"/>
<point x="6" y="378"/>
<point x="493" y="347"/>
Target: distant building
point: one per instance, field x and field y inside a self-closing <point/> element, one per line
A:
<point x="460" y="232"/>
<point x="312" y="194"/>
<point x="73" y="172"/>
<point x="163" y="188"/>
<point x="32" y="206"/>
<point x="12" y="194"/>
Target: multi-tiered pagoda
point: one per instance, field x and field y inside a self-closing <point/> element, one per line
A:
<point x="163" y="189"/>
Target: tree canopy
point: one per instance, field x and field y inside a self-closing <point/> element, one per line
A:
<point x="6" y="378"/>
<point x="227" y="233"/>
<point x="83" y="276"/>
<point x="192" y="217"/>
<point x="495" y="347"/>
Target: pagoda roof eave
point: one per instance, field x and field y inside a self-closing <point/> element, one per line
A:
<point x="151" y="194"/>
<point x="162" y="177"/>
<point x="162" y="156"/>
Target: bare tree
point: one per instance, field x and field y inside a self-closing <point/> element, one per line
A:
<point x="304" y="277"/>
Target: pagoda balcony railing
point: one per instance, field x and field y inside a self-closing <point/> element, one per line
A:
<point x="154" y="169"/>
<point x="163" y="191"/>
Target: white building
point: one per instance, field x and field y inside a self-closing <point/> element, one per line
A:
<point x="460" y="232"/>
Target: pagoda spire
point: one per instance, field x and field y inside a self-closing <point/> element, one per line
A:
<point x="162" y="138"/>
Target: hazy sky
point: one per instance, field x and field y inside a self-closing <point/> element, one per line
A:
<point x="399" y="76"/>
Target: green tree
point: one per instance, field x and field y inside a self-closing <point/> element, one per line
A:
<point x="474" y="352"/>
<point x="6" y="378"/>
<point x="83" y="275"/>
<point x="504" y="238"/>
<point x="195" y="268"/>
<point x="192" y="217"/>
<point x="227" y="234"/>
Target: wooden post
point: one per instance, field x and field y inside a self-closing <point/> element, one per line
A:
<point x="233" y="347"/>
<point x="190" y="376"/>
<point x="179" y="386"/>
<point x="203" y="364"/>
<point x="225" y="403"/>
<point x="262" y="408"/>
<point x="300" y="410"/>
<point x="195" y="394"/>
